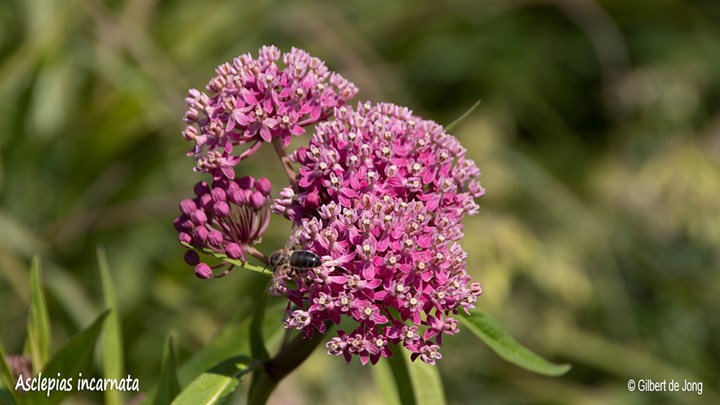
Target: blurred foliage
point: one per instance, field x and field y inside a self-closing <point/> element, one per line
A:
<point x="598" y="136"/>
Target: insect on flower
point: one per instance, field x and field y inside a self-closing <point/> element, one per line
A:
<point x="293" y="262"/>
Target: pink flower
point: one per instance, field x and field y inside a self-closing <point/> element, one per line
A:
<point x="380" y="196"/>
<point x="252" y="101"/>
<point x="224" y="218"/>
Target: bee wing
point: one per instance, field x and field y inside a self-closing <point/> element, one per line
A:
<point x="290" y="245"/>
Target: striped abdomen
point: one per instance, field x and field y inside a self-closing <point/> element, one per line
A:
<point x="304" y="259"/>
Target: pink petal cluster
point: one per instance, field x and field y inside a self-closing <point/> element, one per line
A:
<point x="254" y="101"/>
<point x="380" y="196"/>
<point x="225" y="217"/>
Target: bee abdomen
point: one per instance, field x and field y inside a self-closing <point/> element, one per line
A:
<point x="304" y="259"/>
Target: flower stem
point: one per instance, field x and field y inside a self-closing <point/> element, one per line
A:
<point x="290" y="357"/>
<point x="256" y="254"/>
<point x="284" y="158"/>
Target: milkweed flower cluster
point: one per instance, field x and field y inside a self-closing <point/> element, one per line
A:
<point x="225" y="217"/>
<point x="253" y="100"/>
<point x="380" y="196"/>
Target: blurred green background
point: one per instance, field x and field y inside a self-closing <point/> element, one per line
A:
<point x="598" y="242"/>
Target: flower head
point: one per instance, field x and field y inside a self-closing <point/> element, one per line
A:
<point x="253" y="100"/>
<point x="224" y="218"/>
<point x="380" y="196"/>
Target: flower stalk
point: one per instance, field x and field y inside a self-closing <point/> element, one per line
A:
<point x="290" y="357"/>
<point x="284" y="159"/>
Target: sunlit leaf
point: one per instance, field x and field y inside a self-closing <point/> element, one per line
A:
<point x="385" y="381"/>
<point x="216" y="383"/>
<point x="416" y="382"/>
<point x="112" y="345"/>
<point x="38" y="324"/>
<point x="398" y="366"/>
<point x="168" y="387"/>
<point x="489" y="331"/>
<point x="232" y="341"/>
<point x="426" y="382"/>
<point x="71" y="360"/>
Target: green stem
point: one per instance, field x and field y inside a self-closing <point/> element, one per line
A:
<point x="290" y="357"/>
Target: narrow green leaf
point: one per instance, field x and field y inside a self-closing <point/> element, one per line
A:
<point x="216" y="383"/>
<point x="415" y="382"/>
<point x="385" y="381"/>
<point x="232" y="341"/>
<point x="399" y="368"/>
<point x="489" y="331"/>
<point x="426" y="382"/>
<point x="112" y="346"/>
<point x="257" y="342"/>
<point x="71" y="360"/>
<point x="462" y="118"/>
<point x="38" y="323"/>
<point x="168" y="387"/>
<point x="6" y="396"/>
<point x="7" y="381"/>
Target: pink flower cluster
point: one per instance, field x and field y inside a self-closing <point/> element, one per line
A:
<point x="380" y="196"/>
<point x="255" y="101"/>
<point x="224" y="218"/>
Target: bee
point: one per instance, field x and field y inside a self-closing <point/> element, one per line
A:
<point x="294" y="261"/>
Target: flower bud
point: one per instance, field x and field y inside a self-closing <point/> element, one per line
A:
<point x="184" y="237"/>
<point x="191" y="257"/>
<point x="234" y="251"/>
<point x="203" y="271"/>
<point x="245" y="182"/>
<point x="187" y="206"/>
<point x="257" y="200"/>
<point x="263" y="185"/>
<point x="215" y="238"/>
<point x="201" y="188"/>
<point x="218" y="194"/>
<point x="198" y="217"/>
<point x="201" y="234"/>
<point x="205" y="201"/>
<point x="221" y="209"/>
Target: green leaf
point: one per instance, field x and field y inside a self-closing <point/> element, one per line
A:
<point x="386" y="383"/>
<point x="216" y="383"/>
<point x="232" y="341"/>
<point x="399" y="367"/>
<point x="71" y="360"/>
<point x="6" y="396"/>
<point x="247" y="266"/>
<point x="415" y="382"/>
<point x="7" y="381"/>
<point x="462" y="118"/>
<point x="257" y="342"/>
<point x="168" y="387"/>
<point x="489" y="331"/>
<point x="112" y="345"/>
<point x="426" y="382"/>
<point x="38" y="323"/>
